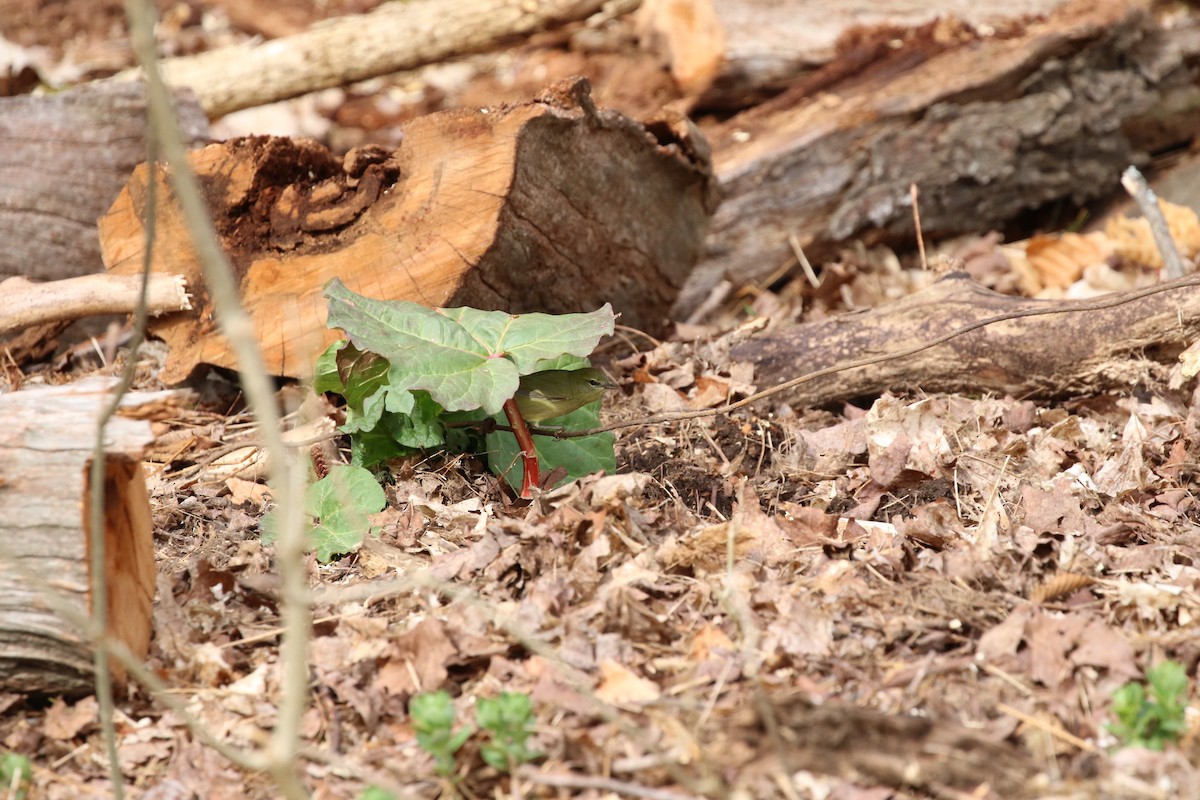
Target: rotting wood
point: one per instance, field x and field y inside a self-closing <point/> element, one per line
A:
<point x="1112" y="349"/>
<point x="551" y="205"/>
<point x="986" y="128"/>
<point x="44" y="531"/>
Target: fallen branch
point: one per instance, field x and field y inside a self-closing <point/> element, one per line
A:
<point x="23" y="302"/>
<point x="395" y="36"/>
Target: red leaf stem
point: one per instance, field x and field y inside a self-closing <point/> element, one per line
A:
<point x="532" y="476"/>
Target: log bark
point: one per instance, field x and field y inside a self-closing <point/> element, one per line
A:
<point x="63" y="160"/>
<point x="1093" y="351"/>
<point x="986" y="128"/>
<point x="551" y="205"/>
<point x="732" y="54"/>
<point x="46" y="447"/>
<point x="393" y="37"/>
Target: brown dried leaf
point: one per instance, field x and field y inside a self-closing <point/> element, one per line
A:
<point x="1060" y="585"/>
<point x="620" y="686"/>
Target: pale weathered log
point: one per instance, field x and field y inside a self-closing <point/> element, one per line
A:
<point x="985" y="127"/>
<point x="24" y="303"/>
<point x="551" y="205"/>
<point x="395" y="36"/>
<point x="732" y="54"/>
<point x="1039" y="356"/>
<point x="63" y="160"/>
<point x="45" y="449"/>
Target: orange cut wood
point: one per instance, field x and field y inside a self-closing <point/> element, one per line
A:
<point x="551" y="205"/>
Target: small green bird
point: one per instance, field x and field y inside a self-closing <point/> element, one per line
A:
<point x="555" y="392"/>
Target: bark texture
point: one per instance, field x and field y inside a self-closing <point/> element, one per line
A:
<point x="1093" y="351"/>
<point x="44" y="531"/>
<point x="985" y="127"/>
<point x="63" y="160"/>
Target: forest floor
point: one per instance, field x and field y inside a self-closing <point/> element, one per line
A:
<point x="909" y="596"/>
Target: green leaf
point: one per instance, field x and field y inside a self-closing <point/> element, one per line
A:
<point x="578" y="456"/>
<point x="376" y="793"/>
<point x="342" y="501"/>
<point x="529" y="339"/>
<point x="464" y="358"/>
<point x="420" y="426"/>
<point x="361" y="373"/>
<point x="326" y="378"/>
<point x="344" y="488"/>
<point x="16" y="771"/>
<point x="374" y="447"/>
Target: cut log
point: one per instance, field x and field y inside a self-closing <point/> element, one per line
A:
<point x="63" y="160"/>
<point x="732" y="54"/>
<point x="985" y="127"/>
<point x="46" y="445"/>
<point x="551" y="206"/>
<point x="1094" y="351"/>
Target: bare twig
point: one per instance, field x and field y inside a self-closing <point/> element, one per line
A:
<point x="916" y="197"/>
<point x="1147" y="201"/>
<point x="393" y="37"/>
<point x="568" y="781"/>
<point x="239" y="331"/>
<point x="23" y="302"/>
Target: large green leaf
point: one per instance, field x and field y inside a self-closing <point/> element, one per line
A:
<point x="532" y="338"/>
<point x="464" y="358"/>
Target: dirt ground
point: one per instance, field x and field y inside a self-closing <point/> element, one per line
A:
<point x="909" y="596"/>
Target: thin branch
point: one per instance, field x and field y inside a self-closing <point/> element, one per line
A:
<point x="1147" y="201"/>
<point x="904" y="352"/>
<point x="238" y="329"/>
<point x="569" y="781"/>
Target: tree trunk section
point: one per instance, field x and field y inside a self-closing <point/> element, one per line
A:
<point x="550" y="206"/>
<point x="63" y="160"/>
<point x="44" y="531"/>
<point x="1093" y="351"/>
<point x="732" y="54"/>
<point x="985" y="127"/>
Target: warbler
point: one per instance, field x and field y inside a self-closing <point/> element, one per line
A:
<point x="555" y="392"/>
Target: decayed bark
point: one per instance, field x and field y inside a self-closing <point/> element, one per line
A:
<point x="986" y="128"/>
<point x="63" y="159"/>
<point x="1042" y="356"/>
<point x="46" y="447"/>
<point x="393" y="37"/>
<point x="551" y="206"/>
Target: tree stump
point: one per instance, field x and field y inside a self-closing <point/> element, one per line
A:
<point x="44" y="532"/>
<point x="551" y="205"/>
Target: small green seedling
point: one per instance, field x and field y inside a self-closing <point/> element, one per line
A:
<point x="15" y="774"/>
<point x="1152" y="719"/>
<point x="337" y="506"/>
<point x="433" y="718"/>
<point x="508" y="719"/>
<point x="413" y="376"/>
<point x="375" y="793"/>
